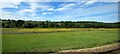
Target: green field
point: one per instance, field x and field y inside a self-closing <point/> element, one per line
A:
<point x="56" y="41"/>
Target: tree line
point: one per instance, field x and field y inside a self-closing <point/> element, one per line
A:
<point x="62" y="24"/>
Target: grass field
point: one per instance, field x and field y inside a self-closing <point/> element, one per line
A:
<point x="51" y="40"/>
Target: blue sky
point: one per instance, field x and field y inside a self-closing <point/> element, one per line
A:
<point x="61" y="11"/>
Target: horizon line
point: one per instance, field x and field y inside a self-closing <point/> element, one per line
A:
<point x="63" y="20"/>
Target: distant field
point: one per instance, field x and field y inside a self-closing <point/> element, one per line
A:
<point x="51" y="39"/>
<point x="45" y="30"/>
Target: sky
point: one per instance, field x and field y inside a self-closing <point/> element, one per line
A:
<point x="60" y="11"/>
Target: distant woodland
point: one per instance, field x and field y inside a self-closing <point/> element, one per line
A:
<point x="53" y="24"/>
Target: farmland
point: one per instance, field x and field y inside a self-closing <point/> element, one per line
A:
<point x="39" y="27"/>
<point x="56" y="39"/>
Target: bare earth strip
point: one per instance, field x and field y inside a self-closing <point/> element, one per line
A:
<point x="96" y="49"/>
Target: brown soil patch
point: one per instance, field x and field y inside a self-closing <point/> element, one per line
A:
<point x="100" y="49"/>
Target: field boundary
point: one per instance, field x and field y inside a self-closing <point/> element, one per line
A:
<point x="36" y="32"/>
<point x="100" y="49"/>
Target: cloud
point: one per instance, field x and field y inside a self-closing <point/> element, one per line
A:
<point x="47" y="13"/>
<point x="25" y="10"/>
<point x="34" y="7"/>
<point x="33" y="14"/>
<point x="9" y="5"/>
<point x="94" y="10"/>
<point x="51" y="9"/>
<point x="42" y="8"/>
<point x="91" y="2"/>
<point x="66" y="7"/>
<point x="56" y="0"/>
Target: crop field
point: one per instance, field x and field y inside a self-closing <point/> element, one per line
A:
<point x="56" y="39"/>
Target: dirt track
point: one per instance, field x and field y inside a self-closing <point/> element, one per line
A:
<point x="100" y="50"/>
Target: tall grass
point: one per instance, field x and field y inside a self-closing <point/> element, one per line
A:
<point x="39" y="30"/>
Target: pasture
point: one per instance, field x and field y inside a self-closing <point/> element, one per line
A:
<point x="55" y="39"/>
